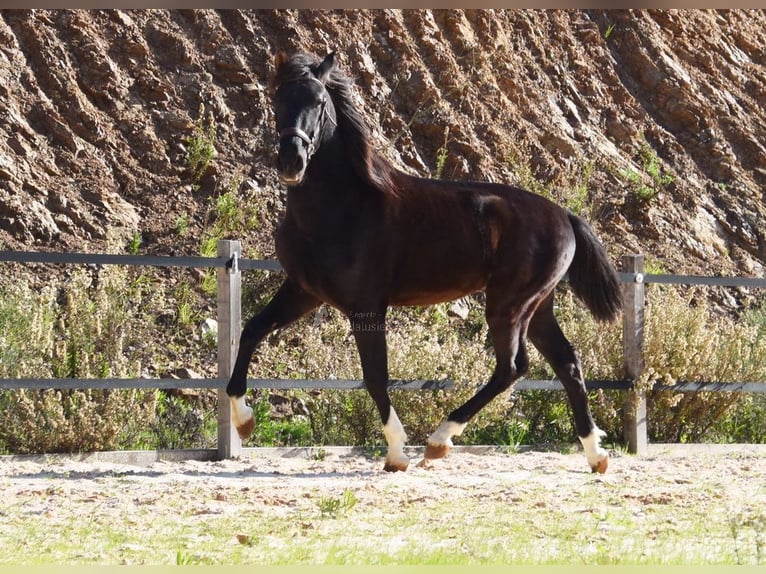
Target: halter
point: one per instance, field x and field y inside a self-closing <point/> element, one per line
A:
<point x="302" y="135"/>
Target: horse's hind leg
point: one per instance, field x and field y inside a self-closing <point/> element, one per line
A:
<point x="546" y="335"/>
<point x="289" y="303"/>
<point x="369" y="333"/>
<point x="507" y="329"/>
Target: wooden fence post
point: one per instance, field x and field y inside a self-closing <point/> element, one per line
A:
<point x="634" y="423"/>
<point x="229" y="325"/>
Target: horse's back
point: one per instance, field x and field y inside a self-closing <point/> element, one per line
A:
<point x="451" y="237"/>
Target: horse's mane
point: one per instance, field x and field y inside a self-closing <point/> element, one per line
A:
<point x="369" y="165"/>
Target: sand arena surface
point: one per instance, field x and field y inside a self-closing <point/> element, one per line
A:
<point x="281" y="480"/>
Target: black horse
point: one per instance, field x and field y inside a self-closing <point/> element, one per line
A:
<point x="361" y="236"/>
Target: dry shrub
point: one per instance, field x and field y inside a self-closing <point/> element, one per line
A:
<point x="83" y="326"/>
<point x="94" y="324"/>
<point x="428" y="344"/>
<point x="433" y="348"/>
<point x="27" y="320"/>
<point x="52" y="420"/>
<point x="423" y="344"/>
<point x="685" y="342"/>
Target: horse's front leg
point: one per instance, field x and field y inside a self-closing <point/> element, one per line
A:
<point x="289" y="303"/>
<point x="369" y="329"/>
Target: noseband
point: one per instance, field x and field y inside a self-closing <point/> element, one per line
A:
<point x="311" y="143"/>
<point x="290" y="132"/>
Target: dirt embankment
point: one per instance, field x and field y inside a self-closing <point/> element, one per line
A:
<point x="95" y="107"/>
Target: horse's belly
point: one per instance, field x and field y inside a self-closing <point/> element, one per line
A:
<point x="434" y="289"/>
<point x="425" y="298"/>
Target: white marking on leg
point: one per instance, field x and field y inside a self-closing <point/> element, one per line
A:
<point x="395" y="438"/>
<point x="591" y="444"/>
<point x="240" y="412"/>
<point x="443" y="435"/>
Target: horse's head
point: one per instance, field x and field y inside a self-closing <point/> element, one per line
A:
<point x="303" y="110"/>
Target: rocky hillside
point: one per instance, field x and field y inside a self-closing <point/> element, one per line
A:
<point x="651" y="123"/>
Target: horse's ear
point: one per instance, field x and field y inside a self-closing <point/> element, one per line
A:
<point x="324" y="69"/>
<point x="280" y="59"/>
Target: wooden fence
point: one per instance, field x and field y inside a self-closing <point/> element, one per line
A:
<point x="230" y="264"/>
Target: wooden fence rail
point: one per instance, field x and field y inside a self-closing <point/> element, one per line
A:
<point x="229" y="265"/>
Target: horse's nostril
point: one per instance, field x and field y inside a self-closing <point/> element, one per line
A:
<point x="290" y="161"/>
<point x="297" y="164"/>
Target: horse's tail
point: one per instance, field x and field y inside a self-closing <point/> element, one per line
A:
<point x="592" y="276"/>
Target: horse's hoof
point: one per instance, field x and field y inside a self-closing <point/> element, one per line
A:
<point x="396" y="466"/>
<point x="246" y="428"/>
<point x="396" y="462"/>
<point x="601" y="465"/>
<point x="436" y="450"/>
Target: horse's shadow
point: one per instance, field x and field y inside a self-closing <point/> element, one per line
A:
<point x="205" y="472"/>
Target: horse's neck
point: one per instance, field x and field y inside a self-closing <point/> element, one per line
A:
<point x="330" y="195"/>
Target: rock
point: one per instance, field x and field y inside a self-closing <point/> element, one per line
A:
<point x="460" y="308"/>
<point x="321" y="315"/>
<point x="123" y="18"/>
<point x="179" y="121"/>
<point x="185" y="373"/>
<point x="209" y="327"/>
<point x="18" y="146"/>
<point x="281" y="407"/>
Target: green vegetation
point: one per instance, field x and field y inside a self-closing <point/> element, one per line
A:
<point x="179" y="423"/>
<point x="134" y="243"/>
<point x="200" y="146"/>
<point x="569" y="189"/>
<point x="231" y="214"/>
<point x="187" y="315"/>
<point x="272" y="431"/>
<point x="47" y="333"/>
<point x="646" y="184"/>
<point x="684" y="342"/>
<point x="182" y="224"/>
<point x="336" y="506"/>
<point x="441" y="155"/>
<point x="118" y="322"/>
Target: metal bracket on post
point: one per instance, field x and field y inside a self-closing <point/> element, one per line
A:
<point x="634" y="423"/>
<point x="233" y="264"/>
<point x="229" y="325"/>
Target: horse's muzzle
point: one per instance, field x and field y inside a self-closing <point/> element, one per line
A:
<point x="291" y="161"/>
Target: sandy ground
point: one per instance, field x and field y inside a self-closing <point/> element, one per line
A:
<point x="96" y="510"/>
<point x="670" y="472"/>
